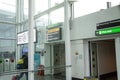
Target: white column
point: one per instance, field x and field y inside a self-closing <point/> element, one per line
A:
<point x="31" y="41"/>
<point x="67" y="40"/>
<point x="117" y="47"/>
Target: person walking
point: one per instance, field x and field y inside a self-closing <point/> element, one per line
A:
<point x="24" y="66"/>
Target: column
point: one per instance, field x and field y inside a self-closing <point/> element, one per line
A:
<point x="31" y="40"/>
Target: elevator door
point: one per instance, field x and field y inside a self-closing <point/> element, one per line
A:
<point x="94" y="61"/>
<point x="59" y="57"/>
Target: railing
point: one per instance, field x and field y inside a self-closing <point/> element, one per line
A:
<point x="50" y="76"/>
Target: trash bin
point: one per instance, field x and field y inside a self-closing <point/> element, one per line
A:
<point x="6" y="64"/>
<point x="1" y="65"/>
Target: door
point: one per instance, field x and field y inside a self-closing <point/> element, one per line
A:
<point x="94" y="60"/>
<point x="59" y="58"/>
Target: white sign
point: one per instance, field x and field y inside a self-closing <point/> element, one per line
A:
<point x="22" y="38"/>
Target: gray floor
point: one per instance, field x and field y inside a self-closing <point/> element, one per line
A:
<point x="46" y="77"/>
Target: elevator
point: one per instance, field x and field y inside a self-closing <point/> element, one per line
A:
<point x="59" y="59"/>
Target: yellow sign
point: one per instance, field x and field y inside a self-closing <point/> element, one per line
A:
<point x="53" y="30"/>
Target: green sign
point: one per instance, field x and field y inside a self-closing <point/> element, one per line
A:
<point x="106" y="31"/>
<point x="55" y="25"/>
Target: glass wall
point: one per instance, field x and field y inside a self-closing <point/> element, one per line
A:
<point x="41" y="24"/>
<point x="84" y="7"/>
<point x="57" y="16"/>
<point x="7" y="10"/>
<point x="40" y="6"/>
<point x="55" y="2"/>
<point x="25" y="9"/>
<point x="7" y="35"/>
<point x="7" y="46"/>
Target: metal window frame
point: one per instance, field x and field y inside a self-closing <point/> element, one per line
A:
<point x="43" y="13"/>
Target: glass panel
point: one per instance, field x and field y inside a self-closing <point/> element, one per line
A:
<point x="7" y="46"/>
<point x="42" y="21"/>
<point x="25" y="9"/>
<point x="40" y="5"/>
<point x="8" y="5"/>
<point x="56" y="2"/>
<point x="84" y="7"/>
<point x="25" y="26"/>
<point x="114" y="2"/>
<point x="7" y="31"/>
<point x="41" y="24"/>
<point x="7" y="10"/>
<point x="57" y="16"/>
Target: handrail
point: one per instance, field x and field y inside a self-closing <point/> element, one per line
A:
<point x="35" y="70"/>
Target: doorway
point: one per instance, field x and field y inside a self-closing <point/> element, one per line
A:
<point x="103" y="59"/>
<point x="59" y="59"/>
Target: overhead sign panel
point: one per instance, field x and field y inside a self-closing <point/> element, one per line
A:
<point x="108" y="27"/>
<point x="108" y="24"/>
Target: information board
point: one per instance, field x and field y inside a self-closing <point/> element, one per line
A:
<point x="54" y="34"/>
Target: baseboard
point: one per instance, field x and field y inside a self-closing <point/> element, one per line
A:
<point x="76" y="78"/>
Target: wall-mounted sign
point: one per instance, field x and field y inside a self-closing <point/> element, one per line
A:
<point x="108" y="24"/>
<point x="22" y="38"/>
<point x="106" y="31"/>
<point x="54" y="34"/>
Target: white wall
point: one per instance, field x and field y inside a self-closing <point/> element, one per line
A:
<point x="77" y="60"/>
<point x="85" y="26"/>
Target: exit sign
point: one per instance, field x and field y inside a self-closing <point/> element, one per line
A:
<point x="107" y="31"/>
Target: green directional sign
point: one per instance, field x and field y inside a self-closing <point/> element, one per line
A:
<point x="106" y="31"/>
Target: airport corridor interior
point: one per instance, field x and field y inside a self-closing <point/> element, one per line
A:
<point x="59" y="39"/>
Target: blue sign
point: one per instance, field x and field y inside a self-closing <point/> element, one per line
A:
<point x="36" y="60"/>
<point x="24" y="50"/>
